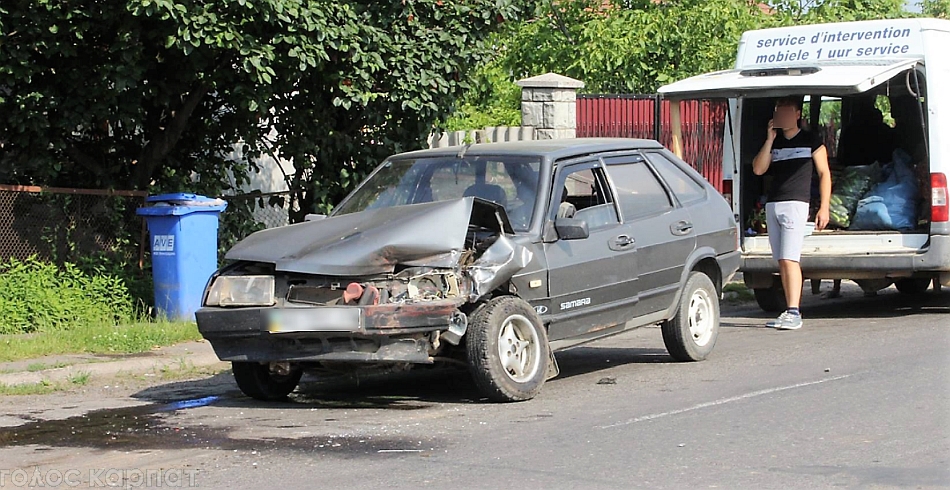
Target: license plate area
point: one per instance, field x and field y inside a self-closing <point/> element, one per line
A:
<point x="322" y="319"/>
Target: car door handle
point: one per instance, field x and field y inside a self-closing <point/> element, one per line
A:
<point x="622" y="242"/>
<point x="681" y="227"/>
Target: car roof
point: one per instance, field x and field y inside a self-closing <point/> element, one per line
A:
<point x="555" y="149"/>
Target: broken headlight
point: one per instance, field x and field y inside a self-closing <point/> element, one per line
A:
<point x="241" y="291"/>
<point x="423" y="283"/>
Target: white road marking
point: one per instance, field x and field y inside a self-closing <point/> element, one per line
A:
<point x="722" y="401"/>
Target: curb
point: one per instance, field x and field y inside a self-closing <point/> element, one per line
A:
<point x="190" y="355"/>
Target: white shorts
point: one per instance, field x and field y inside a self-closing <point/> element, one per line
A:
<point x="786" y="222"/>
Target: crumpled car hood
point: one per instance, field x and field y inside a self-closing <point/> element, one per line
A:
<point x="375" y="240"/>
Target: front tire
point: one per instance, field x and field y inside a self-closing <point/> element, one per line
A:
<point x="507" y="350"/>
<point x="257" y="381"/>
<point x="691" y="334"/>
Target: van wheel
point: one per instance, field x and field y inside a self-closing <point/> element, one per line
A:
<point x="692" y="333"/>
<point x="913" y="285"/>
<point x="507" y="350"/>
<point x="257" y="381"/>
<point x="771" y="299"/>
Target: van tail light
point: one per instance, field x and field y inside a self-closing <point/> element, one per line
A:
<point x="727" y="190"/>
<point x="727" y="194"/>
<point x="939" y="207"/>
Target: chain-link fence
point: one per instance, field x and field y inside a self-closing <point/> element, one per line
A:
<point x="75" y="225"/>
<point x="252" y="212"/>
<point x="71" y="225"/>
<point x="98" y="230"/>
<point x="271" y="209"/>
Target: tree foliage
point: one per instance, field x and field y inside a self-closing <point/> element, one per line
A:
<point x="936" y="8"/>
<point x="635" y="46"/>
<point x="493" y="100"/>
<point x="152" y="94"/>
<point x="794" y="12"/>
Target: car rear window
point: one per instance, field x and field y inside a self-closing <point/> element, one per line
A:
<point x="685" y="188"/>
<point x="639" y="193"/>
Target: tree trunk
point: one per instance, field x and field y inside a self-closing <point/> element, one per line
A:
<point x="163" y="141"/>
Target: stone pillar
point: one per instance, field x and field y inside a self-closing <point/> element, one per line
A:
<point x="549" y="104"/>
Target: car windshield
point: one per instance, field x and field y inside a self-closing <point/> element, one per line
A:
<point x="509" y="181"/>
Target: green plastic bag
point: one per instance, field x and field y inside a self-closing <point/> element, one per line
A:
<point x="850" y="186"/>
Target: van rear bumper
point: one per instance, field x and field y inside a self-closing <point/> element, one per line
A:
<point x="935" y="258"/>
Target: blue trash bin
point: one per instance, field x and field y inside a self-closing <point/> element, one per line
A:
<point x="183" y="231"/>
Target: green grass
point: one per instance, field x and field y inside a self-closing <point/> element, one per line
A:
<point x="743" y="293"/>
<point x="96" y="339"/>
<point x="42" y="388"/>
<point x="42" y="366"/>
<point x="79" y="379"/>
<point x="46" y="386"/>
<point x="182" y="370"/>
<point x="36" y="366"/>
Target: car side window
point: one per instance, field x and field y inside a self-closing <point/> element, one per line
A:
<point x="639" y="193"/>
<point x="683" y="186"/>
<point x="585" y="195"/>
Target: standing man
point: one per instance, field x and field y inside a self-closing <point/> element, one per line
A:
<point x="788" y="155"/>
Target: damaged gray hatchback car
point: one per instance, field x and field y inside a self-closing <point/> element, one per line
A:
<point x="493" y="255"/>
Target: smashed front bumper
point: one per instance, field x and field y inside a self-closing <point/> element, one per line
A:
<point x="383" y="333"/>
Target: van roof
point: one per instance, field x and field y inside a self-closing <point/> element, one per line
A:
<point x="837" y="59"/>
<point x="829" y="78"/>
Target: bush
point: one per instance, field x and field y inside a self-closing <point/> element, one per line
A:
<point x="137" y="281"/>
<point x="494" y="100"/>
<point x="41" y="297"/>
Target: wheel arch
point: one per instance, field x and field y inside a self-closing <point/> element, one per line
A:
<point x="701" y="260"/>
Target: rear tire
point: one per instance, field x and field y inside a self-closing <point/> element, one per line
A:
<point x="913" y="285"/>
<point x="771" y="299"/>
<point x="257" y="381"/>
<point x="507" y="350"/>
<point x="691" y="334"/>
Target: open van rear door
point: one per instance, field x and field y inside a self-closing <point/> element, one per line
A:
<point x="832" y="78"/>
<point x="837" y="79"/>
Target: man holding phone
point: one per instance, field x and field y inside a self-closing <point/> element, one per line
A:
<point x="788" y="155"/>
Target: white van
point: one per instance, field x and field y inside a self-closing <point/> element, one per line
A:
<point x="898" y="65"/>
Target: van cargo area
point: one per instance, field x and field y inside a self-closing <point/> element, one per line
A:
<point x="882" y="118"/>
<point x="862" y="140"/>
<point x="877" y="144"/>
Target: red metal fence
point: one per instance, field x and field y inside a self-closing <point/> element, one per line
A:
<point x="648" y="116"/>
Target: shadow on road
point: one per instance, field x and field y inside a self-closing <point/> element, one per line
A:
<point x="853" y="304"/>
<point x="425" y="386"/>
<point x="146" y="427"/>
<point x="586" y="360"/>
<point x="887" y="304"/>
<point x="220" y="384"/>
<point x="414" y="389"/>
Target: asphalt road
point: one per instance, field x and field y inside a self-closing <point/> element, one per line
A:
<point x="860" y="398"/>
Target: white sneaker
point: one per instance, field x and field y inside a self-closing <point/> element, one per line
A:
<point x="786" y="321"/>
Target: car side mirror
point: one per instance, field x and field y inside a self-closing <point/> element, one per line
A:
<point x="571" y="229"/>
